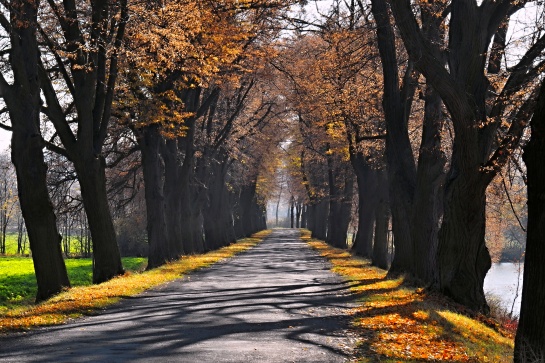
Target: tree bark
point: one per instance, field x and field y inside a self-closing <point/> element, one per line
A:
<point x="173" y="204"/>
<point x="23" y="103"/>
<point x="218" y="224"/>
<point x="90" y="170"/>
<point x="428" y="192"/>
<point x="462" y="254"/>
<point x="292" y="212"/>
<point x="152" y="168"/>
<point x="298" y="207"/>
<point x="340" y="206"/>
<point x="367" y="203"/>
<point x="90" y="74"/>
<point x="400" y="160"/>
<point x="530" y="338"/>
<point x="320" y="214"/>
<point x="382" y="222"/>
<point x="463" y="259"/>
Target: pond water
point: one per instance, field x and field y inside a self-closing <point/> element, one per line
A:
<point x="501" y="281"/>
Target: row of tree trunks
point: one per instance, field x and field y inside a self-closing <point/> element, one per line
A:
<point x="190" y="207"/>
<point x="218" y="222"/>
<point x="463" y="258"/>
<point x="294" y="212"/>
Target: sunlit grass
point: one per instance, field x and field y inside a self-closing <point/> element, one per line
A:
<point x="18" y="283"/>
<point x="86" y="299"/>
<point x="399" y="323"/>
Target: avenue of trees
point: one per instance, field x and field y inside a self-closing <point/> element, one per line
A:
<point x="390" y="120"/>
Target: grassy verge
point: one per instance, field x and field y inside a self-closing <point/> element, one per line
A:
<point x="399" y="323"/>
<point x="81" y="300"/>
<point x="18" y="283"/>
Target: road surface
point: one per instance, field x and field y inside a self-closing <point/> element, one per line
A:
<point x="277" y="302"/>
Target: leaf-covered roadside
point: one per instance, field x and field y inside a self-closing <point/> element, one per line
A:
<point x="400" y="323"/>
<point x="82" y="300"/>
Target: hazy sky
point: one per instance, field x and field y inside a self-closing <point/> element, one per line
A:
<point x="5" y="140"/>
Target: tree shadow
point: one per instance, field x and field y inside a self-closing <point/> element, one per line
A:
<point x="277" y="302"/>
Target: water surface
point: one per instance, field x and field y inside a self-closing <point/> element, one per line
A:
<point x="501" y="281"/>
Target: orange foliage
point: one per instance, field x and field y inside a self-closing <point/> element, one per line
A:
<point x="173" y="46"/>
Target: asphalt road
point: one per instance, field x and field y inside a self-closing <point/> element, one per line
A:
<point x="278" y="302"/>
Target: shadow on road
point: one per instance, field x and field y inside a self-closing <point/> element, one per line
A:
<point x="275" y="303"/>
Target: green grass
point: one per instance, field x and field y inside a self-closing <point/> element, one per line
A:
<point x="18" y="283"/>
<point x="11" y="245"/>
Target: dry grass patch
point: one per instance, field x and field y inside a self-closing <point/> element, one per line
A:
<point x="82" y="300"/>
<point x="400" y="323"/>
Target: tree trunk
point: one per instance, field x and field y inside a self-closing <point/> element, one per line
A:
<point x="23" y="103"/>
<point x="292" y="209"/>
<point x="218" y="225"/>
<point x="530" y="338"/>
<point x="190" y="198"/>
<point x="298" y="214"/>
<point x="173" y="203"/>
<point x="90" y="170"/>
<point x="463" y="258"/>
<point x="320" y="217"/>
<point x="428" y="192"/>
<point x="401" y="166"/>
<point x="462" y="254"/>
<point x="382" y="222"/>
<point x="304" y="215"/>
<point x="367" y="204"/>
<point x="45" y="240"/>
<point x="250" y="210"/>
<point x="158" y="239"/>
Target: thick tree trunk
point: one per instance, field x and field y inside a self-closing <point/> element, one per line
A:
<point x="462" y="255"/>
<point x="304" y="215"/>
<point x="250" y="210"/>
<point x="382" y="222"/>
<point x="428" y="196"/>
<point x="158" y="241"/>
<point x="367" y="203"/>
<point x="530" y="338"/>
<point x="23" y="103"/>
<point x="292" y="210"/>
<point x="238" y="213"/>
<point x="90" y="170"/>
<point x="218" y="224"/>
<point x="428" y="193"/>
<point x="401" y="166"/>
<point x="173" y="203"/>
<point x="463" y="259"/>
<point x="190" y="198"/>
<point x="310" y="219"/>
<point x="320" y="213"/>
<point x="45" y="240"/>
<point x="298" y="207"/>
<point x="339" y="216"/>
